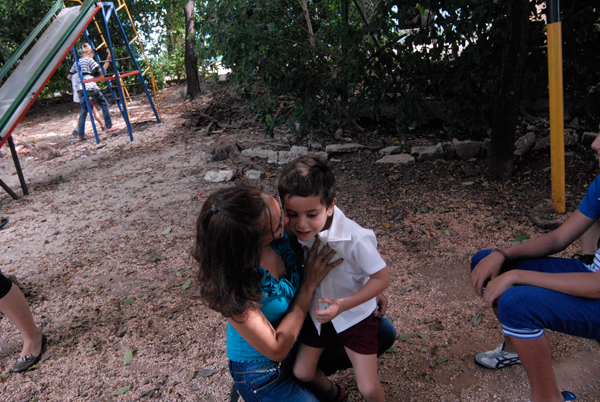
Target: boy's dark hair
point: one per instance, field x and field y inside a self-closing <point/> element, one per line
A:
<point x="228" y="247"/>
<point x="307" y="176"/>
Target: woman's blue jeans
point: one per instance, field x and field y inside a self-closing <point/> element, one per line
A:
<point x="269" y="381"/>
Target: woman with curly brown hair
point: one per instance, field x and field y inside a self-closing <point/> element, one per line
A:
<point x="250" y="274"/>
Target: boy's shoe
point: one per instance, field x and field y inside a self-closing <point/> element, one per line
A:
<point x="569" y="396"/>
<point x="341" y="394"/>
<point x="497" y="358"/>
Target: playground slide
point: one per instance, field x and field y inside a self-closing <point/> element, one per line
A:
<point x="29" y="78"/>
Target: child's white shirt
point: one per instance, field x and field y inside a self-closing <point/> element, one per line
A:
<point x="358" y="247"/>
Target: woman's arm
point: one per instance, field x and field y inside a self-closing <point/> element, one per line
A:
<point x="376" y="284"/>
<point x="276" y="343"/>
<point x="550" y="243"/>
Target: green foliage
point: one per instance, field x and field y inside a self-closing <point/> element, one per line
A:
<point x="407" y="64"/>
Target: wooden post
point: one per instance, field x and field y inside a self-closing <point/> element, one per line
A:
<point x="557" y="124"/>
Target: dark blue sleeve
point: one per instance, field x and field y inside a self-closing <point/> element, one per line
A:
<point x="590" y="205"/>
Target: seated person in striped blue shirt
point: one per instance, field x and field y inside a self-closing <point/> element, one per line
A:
<point x="88" y="68"/>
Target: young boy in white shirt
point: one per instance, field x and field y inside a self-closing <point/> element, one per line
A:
<point x="343" y="303"/>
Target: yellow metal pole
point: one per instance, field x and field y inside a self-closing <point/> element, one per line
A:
<point x="557" y="126"/>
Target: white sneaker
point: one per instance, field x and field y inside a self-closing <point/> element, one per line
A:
<point x="497" y="358"/>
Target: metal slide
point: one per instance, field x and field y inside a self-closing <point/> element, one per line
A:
<point x="29" y="78"/>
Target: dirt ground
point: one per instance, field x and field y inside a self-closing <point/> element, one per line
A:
<point x="101" y="247"/>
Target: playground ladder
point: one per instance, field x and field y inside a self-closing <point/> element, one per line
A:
<point x="108" y="12"/>
<point x="121" y="6"/>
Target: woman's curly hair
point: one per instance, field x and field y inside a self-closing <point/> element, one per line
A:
<point x="228" y="248"/>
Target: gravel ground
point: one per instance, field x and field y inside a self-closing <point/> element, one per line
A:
<point x="101" y="247"/>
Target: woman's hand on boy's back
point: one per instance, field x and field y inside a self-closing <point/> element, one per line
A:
<point x="319" y="263"/>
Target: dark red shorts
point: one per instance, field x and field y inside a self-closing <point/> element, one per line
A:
<point x="360" y="338"/>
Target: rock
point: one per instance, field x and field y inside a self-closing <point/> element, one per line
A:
<point x="299" y="150"/>
<point x="347" y="139"/>
<point x="224" y="149"/>
<point x="258" y="153"/>
<point x="531" y="127"/>
<point x="220" y="176"/>
<point x="389" y="150"/>
<point x="285" y="157"/>
<point x="428" y="153"/>
<point x="542" y="143"/>
<point x="449" y="151"/>
<point x="343" y="148"/>
<point x="320" y="155"/>
<point x="400" y="159"/>
<point x="466" y="150"/>
<point x="254" y="174"/>
<point x="338" y="134"/>
<point x="315" y="145"/>
<point x="575" y="121"/>
<point x="486" y="147"/>
<point x="588" y="137"/>
<point x="524" y="143"/>
<point x="571" y="138"/>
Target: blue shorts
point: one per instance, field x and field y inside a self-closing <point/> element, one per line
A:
<point x="525" y="311"/>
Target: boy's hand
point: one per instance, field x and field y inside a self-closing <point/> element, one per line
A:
<point x="334" y="309"/>
<point x="382" y="303"/>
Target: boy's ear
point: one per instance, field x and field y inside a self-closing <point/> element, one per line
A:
<point x="330" y="208"/>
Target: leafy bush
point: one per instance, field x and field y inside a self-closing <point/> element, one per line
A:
<point x="437" y="61"/>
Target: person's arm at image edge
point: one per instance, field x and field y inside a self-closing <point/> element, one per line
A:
<point x="548" y="244"/>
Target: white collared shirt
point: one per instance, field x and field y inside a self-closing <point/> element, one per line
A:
<point x="358" y="247"/>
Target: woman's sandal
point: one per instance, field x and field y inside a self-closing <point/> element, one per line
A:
<point x="24" y="363"/>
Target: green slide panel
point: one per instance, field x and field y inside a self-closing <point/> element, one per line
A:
<point x="35" y="69"/>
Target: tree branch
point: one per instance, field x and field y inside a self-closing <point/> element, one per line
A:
<point x="308" y="23"/>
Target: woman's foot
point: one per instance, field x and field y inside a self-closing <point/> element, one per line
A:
<point x="31" y="353"/>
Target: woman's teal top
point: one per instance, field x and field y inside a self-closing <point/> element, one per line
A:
<point x="276" y="301"/>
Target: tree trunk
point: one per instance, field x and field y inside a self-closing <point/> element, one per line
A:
<point x="191" y="58"/>
<point x="511" y="91"/>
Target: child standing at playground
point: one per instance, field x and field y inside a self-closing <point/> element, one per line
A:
<point x="88" y="68"/>
<point x="74" y="84"/>
<point x="343" y="304"/>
